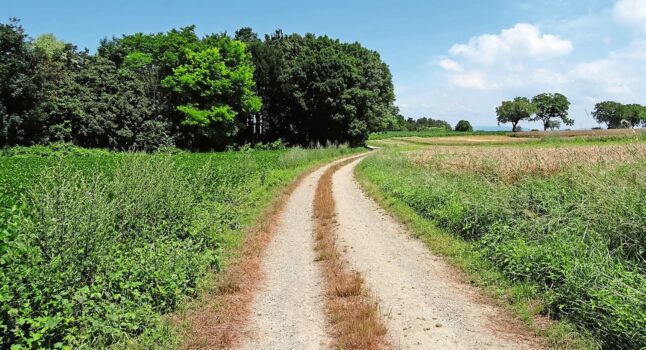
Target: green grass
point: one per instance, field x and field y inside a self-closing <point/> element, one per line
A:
<point x="95" y="247"/>
<point x="568" y="245"/>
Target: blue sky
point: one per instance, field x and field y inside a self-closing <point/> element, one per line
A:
<point x="450" y="59"/>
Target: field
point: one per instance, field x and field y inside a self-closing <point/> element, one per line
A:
<point x="554" y="227"/>
<point x="96" y="246"/>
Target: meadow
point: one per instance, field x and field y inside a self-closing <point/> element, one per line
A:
<point x="553" y="227"/>
<point x="96" y="246"/>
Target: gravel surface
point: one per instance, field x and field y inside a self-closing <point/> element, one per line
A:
<point x="425" y="306"/>
<point x="288" y="310"/>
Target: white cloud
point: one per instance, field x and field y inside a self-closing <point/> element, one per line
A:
<point x="471" y="80"/>
<point x="631" y="13"/>
<point x="522" y="40"/>
<point x="450" y="65"/>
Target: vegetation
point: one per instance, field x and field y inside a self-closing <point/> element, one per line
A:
<point x="550" y="109"/>
<point x="95" y="246"/>
<point x="616" y="115"/>
<point x="146" y="91"/>
<point x="561" y="225"/>
<point x="463" y="126"/>
<point x="521" y="108"/>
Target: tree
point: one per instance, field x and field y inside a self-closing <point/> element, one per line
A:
<point x="634" y="114"/>
<point x="20" y="87"/>
<point x="316" y="89"/>
<point x="463" y="126"/>
<point x="554" y="124"/>
<point x="212" y="87"/>
<point x="515" y="111"/>
<point x="609" y="113"/>
<point x="551" y="106"/>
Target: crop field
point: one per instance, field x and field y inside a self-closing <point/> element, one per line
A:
<point x="96" y="246"/>
<point x="558" y="227"/>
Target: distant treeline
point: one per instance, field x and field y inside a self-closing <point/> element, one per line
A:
<point x="144" y="91"/>
<point x="420" y="124"/>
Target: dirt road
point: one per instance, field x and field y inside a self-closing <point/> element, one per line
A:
<point x="288" y="311"/>
<point x="422" y="303"/>
<point x="424" y="306"/>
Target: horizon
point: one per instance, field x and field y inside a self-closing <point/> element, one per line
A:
<point x="449" y="60"/>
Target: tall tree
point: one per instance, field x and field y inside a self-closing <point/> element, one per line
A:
<point x="213" y="86"/>
<point x="551" y="106"/>
<point x="521" y="108"/>
<point x="609" y="113"/>
<point x="634" y="114"/>
<point x="20" y="87"/>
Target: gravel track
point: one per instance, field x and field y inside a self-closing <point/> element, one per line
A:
<point x="425" y="306"/>
<point x="288" y="310"/>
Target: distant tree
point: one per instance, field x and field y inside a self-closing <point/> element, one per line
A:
<point x="551" y="106"/>
<point x="634" y="114"/>
<point x="609" y="113"/>
<point x="463" y="125"/>
<point x="521" y="108"/>
<point x="554" y="124"/>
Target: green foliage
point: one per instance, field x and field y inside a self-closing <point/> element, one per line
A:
<point x="145" y="91"/>
<point x="521" y="108"/>
<point x="20" y="87"/>
<point x="463" y="126"/>
<point x="577" y="235"/>
<point x="214" y="85"/>
<point x="95" y="247"/>
<point x="551" y="106"/>
<point x="617" y="115"/>
<point x="316" y="89"/>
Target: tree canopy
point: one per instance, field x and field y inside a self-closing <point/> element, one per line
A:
<point x="550" y="106"/>
<point x="142" y="91"/>
<point x="521" y="108"/>
<point x="463" y="125"/>
<point x="616" y="115"/>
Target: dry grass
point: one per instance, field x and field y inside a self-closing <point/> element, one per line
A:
<point x="509" y="163"/>
<point x="466" y="140"/>
<point x="216" y="319"/>
<point x="353" y="311"/>
<point x="580" y="133"/>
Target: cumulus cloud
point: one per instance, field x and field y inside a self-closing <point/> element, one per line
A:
<point x="450" y="65"/>
<point x="471" y="80"/>
<point x="631" y="13"/>
<point x="522" y="40"/>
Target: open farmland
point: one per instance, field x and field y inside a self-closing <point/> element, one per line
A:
<point x="95" y="245"/>
<point x="560" y="224"/>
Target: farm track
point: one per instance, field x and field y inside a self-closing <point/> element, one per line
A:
<point x="422" y="302"/>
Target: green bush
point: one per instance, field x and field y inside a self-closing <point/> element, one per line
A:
<point x="94" y="249"/>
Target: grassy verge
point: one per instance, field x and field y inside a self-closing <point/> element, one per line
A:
<point x="562" y="245"/>
<point x="96" y="247"/>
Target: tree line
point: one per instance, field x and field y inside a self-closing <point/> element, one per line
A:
<point x="145" y="91"/>
<point x="552" y="109"/>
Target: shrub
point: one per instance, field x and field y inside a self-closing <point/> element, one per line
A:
<point x="463" y="126"/>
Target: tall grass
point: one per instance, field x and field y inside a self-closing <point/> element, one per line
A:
<point x="95" y="248"/>
<point x="575" y="232"/>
